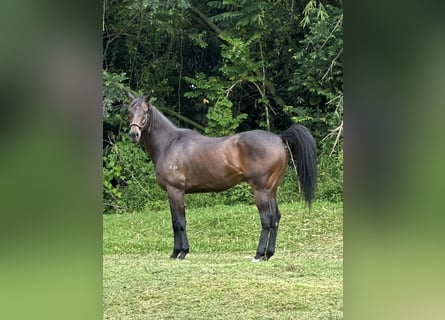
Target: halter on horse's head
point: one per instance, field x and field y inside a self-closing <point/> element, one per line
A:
<point x="140" y="117"/>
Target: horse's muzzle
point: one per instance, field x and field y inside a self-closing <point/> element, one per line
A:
<point x="134" y="135"/>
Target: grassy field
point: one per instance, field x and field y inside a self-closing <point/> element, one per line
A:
<point x="217" y="280"/>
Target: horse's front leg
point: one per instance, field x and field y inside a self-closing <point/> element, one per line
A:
<point x="177" y="209"/>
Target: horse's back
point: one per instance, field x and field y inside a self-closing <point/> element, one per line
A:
<point x="260" y="141"/>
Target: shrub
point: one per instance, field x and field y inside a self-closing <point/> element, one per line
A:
<point x="330" y="178"/>
<point x="129" y="181"/>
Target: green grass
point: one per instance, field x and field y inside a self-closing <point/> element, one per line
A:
<point x="217" y="280"/>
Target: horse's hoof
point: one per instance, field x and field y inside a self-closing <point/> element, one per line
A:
<point x="256" y="260"/>
<point x="182" y="255"/>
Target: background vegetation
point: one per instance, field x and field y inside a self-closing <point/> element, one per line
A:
<point x="221" y="67"/>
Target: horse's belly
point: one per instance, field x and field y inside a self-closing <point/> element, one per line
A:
<point x="213" y="184"/>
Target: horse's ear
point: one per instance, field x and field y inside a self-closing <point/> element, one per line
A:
<point x="129" y="94"/>
<point x="147" y="98"/>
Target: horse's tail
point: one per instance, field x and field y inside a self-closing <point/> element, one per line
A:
<point x="303" y="151"/>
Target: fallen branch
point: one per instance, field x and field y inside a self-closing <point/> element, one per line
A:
<point x="338" y="131"/>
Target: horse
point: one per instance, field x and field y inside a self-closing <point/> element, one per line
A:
<point x="186" y="161"/>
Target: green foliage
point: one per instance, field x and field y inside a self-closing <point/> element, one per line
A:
<point x="313" y="10"/>
<point x="111" y="171"/>
<point x="198" y="39"/>
<point x="240" y="14"/>
<point x="220" y="117"/>
<point x="221" y="120"/>
<point x="238" y="67"/>
<point x="319" y="76"/>
<point x="330" y="178"/>
<point x="112" y="93"/>
<point x="127" y="175"/>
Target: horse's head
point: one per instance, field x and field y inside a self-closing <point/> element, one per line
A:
<point x="139" y="117"/>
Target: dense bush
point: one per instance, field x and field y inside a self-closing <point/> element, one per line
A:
<point x="128" y="177"/>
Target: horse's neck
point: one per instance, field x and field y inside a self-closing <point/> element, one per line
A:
<point x="160" y="135"/>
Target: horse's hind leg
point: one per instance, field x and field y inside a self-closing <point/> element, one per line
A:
<point x="270" y="218"/>
<point x="275" y="222"/>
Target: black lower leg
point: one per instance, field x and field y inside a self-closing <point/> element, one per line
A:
<point x="264" y="238"/>
<point x="271" y="244"/>
<point x="275" y="222"/>
<point x="176" y="242"/>
<point x="181" y="245"/>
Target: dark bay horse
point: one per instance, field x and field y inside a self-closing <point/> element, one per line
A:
<point x="188" y="162"/>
